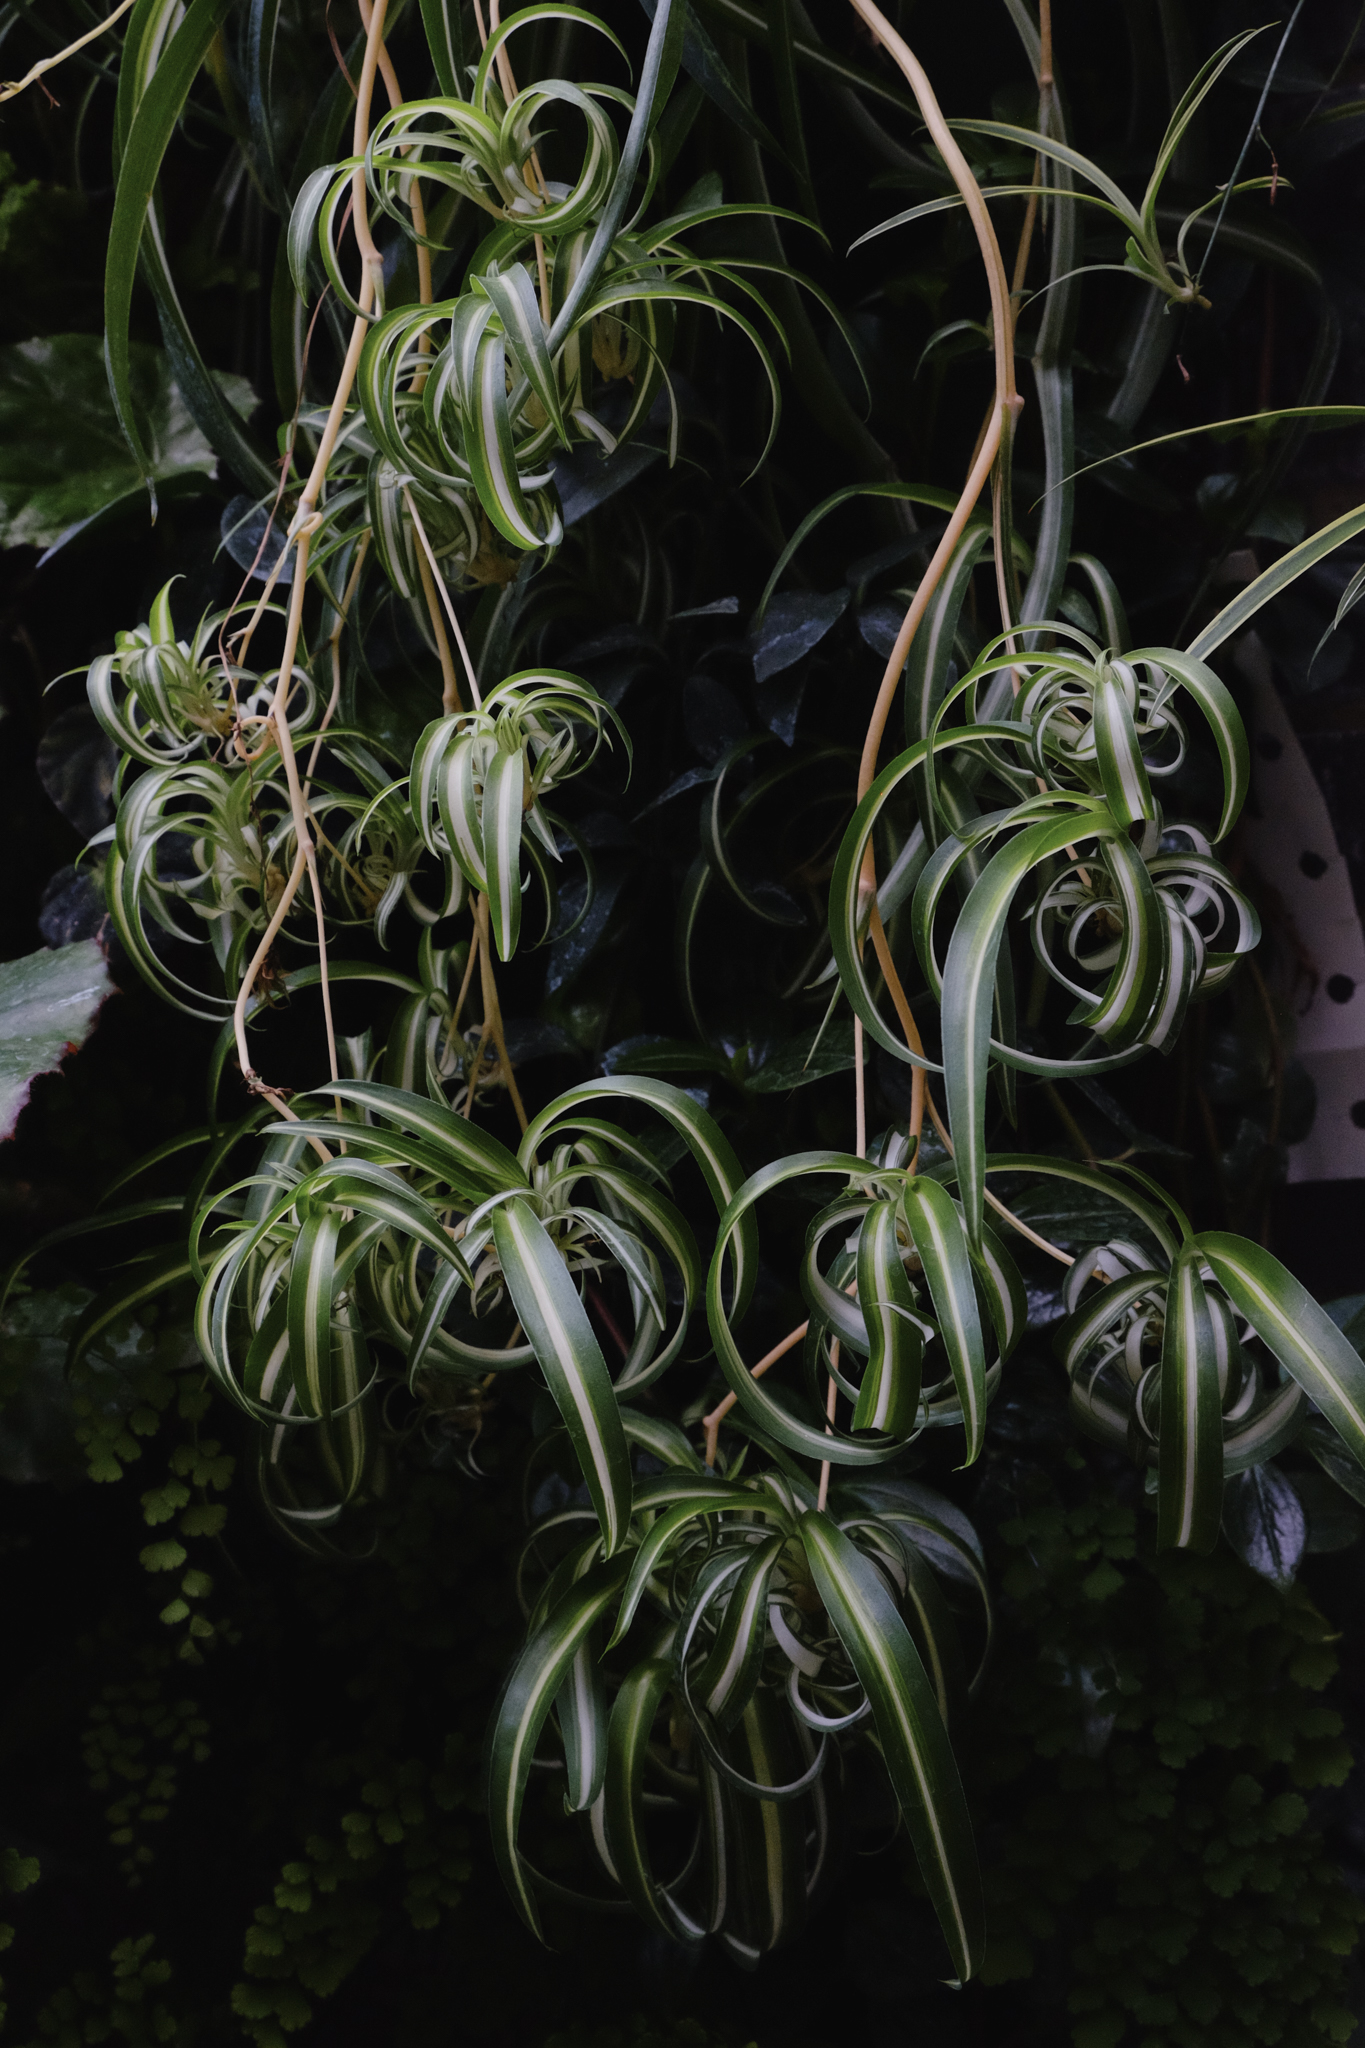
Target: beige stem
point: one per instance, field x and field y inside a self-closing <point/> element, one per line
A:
<point x="831" y="1401"/>
<point x="31" y="77"/>
<point x="451" y="615"/>
<point x="304" y="524"/>
<point x="450" y="684"/>
<point x="1006" y="396"/>
<point x="492" y="1015"/>
<point x="711" y="1423"/>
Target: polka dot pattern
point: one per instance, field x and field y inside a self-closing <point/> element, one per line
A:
<point x="1290" y="840"/>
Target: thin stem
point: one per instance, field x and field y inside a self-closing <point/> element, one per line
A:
<point x="449" y="604"/>
<point x="919" y="605"/>
<point x="831" y="1401"/>
<point x="860" y="1095"/>
<point x="334" y="645"/>
<point x="31" y="77"/>
<point x="412" y="197"/>
<point x="470" y="964"/>
<point x="509" y="86"/>
<point x="711" y="1423"/>
<point x="492" y="1016"/>
<point x="1007" y="399"/>
<point x="1251" y="135"/>
<point x="900" y="1001"/>
<point x="450" y="686"/>
<point x="302" y="527"/>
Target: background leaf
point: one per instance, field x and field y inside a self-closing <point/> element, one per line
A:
<point x="62" y="456"/>
<point x="1264" y="1521"/>
<point x="48" y="1006"/>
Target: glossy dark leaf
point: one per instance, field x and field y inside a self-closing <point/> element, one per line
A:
<point x="1264" y="1521"/>
<point x="809" y="1056"/>
<point x="794" y="622"/>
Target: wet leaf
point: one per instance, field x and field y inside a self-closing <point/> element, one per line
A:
<point x="880" y="624"/>
<point x="651" y="1054"/>
<point x="795" y="621"/>
<point x="569" y="956"/>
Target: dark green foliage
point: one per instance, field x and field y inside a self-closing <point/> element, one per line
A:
<point x="1160" y="1721"/>
<point x="260" y="1616"/>
<point x="640" y="2033"/>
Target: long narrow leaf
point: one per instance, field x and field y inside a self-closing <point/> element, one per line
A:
<point x="153" y="125"/>
<point x="1301" y="1335"/>
<point x="939" y="1236"/>
<point x="556" y="1323"/>
<point x="521" y="1713"/>
<point x="1190" y="1469"/>
<point x="913" y="1740"/>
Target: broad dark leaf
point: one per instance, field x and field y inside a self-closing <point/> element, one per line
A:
<point x="62" y="456"/>
<point x="569" y="956"/>
<point x="713" y="717"/>
<point x="795" y="621"/>
<point x="793" y="1062"/>
<point x="1334" y="1521"/>
<point x="48" y="1006"/>
<point x="1264" y="1521"/>
<point x="76" y="763"/>
<point x="587" y="478"/>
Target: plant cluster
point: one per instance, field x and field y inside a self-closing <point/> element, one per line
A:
<point x="738" y="1585"/>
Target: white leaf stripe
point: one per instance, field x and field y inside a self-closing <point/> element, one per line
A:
<point x="939" y="1237"/>
<point x="514" y="296"/>
<point x="968" y="996"/>
<point x="553" y="1317"/>
<point x="913" y="1739"/>
<point x="1273" y="580"/>
<point x="703" y="1497"/>
<point x="1076" y="1335"/>
<point x="470" y="1147"/>
<point x="632" y="1719"/>
<point x="1126" y="787"/>
<point x="1219" y="707"/>
<point x="521" y="1714"/>
<point x="582" y="1708"/>
<point x="1190" y="1452"/>
<point x="772" y="1415"/>
<point x="1115" y="1188"/>
<point x="503" y="788"/>
<point x="889" y="1397"/>
<point x="1004" y="1289"/>
<point x="310" y="1312"/>
<point x="1300" y="1333"/>
<point x="712" y="1151"/>
<point x="740" y="1637"/>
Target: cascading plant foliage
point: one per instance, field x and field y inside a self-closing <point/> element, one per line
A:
<point x="738" y="1588"/>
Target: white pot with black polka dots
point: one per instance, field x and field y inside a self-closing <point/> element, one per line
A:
<point x="1287" y="834"/>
